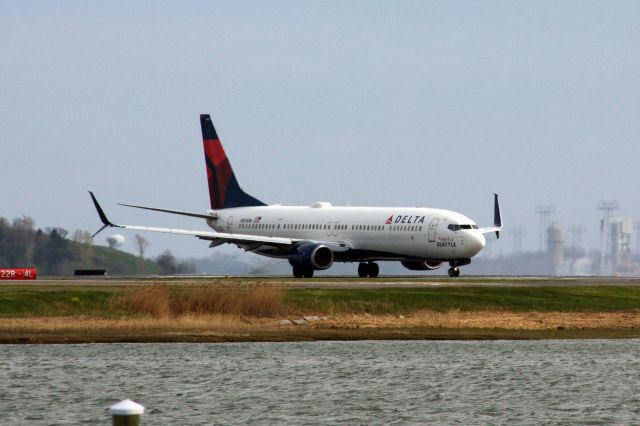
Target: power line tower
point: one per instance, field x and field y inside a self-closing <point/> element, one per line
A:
<point x="607" y="208"/>
<point x="545" y="219"/>
<point x="517" y="232"/>
<point x="576" y="232"/>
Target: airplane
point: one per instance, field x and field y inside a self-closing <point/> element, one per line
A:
<point x="313" y="237"/>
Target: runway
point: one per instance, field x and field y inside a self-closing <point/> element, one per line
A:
<point x="333" y="282"/>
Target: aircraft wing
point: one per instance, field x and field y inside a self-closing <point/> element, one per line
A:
<point x="218" y="238"/>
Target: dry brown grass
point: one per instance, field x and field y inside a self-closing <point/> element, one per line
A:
<point x="492" y="319"/>
<point x="225" y="328"/>
<point x="90" y="324"/>
<point x="162" y="301"/>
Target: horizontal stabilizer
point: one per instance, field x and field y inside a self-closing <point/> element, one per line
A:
<point x="180" y="212"/>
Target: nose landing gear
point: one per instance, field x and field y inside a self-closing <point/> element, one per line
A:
<point x="454" y="272"/>
<point x="370" y="270"/>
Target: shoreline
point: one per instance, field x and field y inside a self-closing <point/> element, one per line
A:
<point x="423" y="326"/>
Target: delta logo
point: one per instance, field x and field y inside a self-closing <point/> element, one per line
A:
<point x="404" y="219"/>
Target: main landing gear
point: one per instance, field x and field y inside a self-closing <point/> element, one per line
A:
<point x="454" y="272"/>
<point x="370" y="270"/>
<point x="299" y="272"/>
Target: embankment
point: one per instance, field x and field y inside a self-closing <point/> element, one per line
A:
<point x="239" y="310"/>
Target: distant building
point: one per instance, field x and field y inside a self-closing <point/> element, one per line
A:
<point x="555" y="248"/>
<point x="621" y="231"/>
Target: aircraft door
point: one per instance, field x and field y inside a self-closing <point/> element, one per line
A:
<point x="433" y="227"/>
<point x="229" y="224"/>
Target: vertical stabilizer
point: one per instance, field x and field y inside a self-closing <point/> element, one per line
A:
<point x="224" y="190"/>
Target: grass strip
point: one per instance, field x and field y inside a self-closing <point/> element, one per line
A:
<point x="517" y="299"/>
<point x="32" y="302"/>
<point x="94" y="302"/>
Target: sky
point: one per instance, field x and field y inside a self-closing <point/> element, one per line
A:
<point x="394" y="103"/>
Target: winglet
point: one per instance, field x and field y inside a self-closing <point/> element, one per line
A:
<point x="103" y="217"/>
<point x="497" y="217"/>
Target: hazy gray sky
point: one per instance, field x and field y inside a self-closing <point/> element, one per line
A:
<point x="433" y="104"/>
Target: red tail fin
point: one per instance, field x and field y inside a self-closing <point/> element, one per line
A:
<point x="224" y="190"/>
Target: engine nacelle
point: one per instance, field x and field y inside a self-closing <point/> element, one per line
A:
<point x="316" y="256"/>
<point x="426" y="265"/>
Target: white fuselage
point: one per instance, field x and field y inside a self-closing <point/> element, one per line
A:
<point x="372" y="233"/>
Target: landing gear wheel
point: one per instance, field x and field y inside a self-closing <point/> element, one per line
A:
<point x="454" y="272"/>
<point x="298" y="272"/>
<point x="374" y="270"/>
<point x="308" y="273"/>
<point x="363" y="270"/>
<point x="368" y="270"/>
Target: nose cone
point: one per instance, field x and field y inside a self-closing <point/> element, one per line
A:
<point x="475" y="243"/>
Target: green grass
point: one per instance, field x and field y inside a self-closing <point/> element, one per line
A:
<point x="118" y="262"/>
<point x="519" y="299"/>
<point x="67" y="300"/>
<point x="34" y="302"/>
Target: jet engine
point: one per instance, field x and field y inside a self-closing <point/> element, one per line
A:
<point x="311" y="256"/>
<point x="425" y="265"/>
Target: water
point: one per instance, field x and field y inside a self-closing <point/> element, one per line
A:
<point x="479" y="382"/>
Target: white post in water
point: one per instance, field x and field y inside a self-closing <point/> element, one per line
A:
<point x="126" y="413"/>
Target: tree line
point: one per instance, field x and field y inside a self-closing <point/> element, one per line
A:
<point x="54" y="251"/>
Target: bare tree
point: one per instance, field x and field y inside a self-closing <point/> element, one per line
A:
<point x="83" y="249"/>
<point x="115" y="240"/>
<point x="142" y="244"/>
<point x="24" y="223"/>
<point x="112" y="241"/>
<point x="82" y="237"/>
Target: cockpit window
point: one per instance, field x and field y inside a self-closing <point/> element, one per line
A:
<point x="455" y="227"/>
